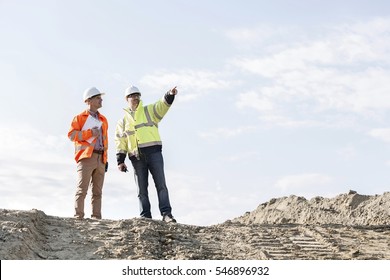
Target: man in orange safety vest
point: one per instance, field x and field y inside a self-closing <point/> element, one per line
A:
<point x="88" y="131"/>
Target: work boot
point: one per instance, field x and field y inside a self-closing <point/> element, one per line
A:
<point x="168" y="218"/>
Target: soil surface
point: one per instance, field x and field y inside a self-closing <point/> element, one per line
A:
<point x="349" y="226"/>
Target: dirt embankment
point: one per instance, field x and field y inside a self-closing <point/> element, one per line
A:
<point x="349" y="226"/>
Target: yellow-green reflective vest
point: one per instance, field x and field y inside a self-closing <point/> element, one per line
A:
<point x="140" y="131"/>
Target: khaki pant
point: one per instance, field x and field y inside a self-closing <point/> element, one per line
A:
<point x="90" y="173"/>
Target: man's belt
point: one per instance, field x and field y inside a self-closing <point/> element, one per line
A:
<point x="100" y="152"/>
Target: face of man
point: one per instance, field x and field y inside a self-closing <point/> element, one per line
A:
<point x="95" y="102"/>
<point x="133" y="100"/>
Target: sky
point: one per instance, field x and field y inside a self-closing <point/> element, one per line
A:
<point x="276" y="98"/>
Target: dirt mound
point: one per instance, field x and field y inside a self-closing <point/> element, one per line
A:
<point x="350" y="226"/>
<point x="345" y="209"/>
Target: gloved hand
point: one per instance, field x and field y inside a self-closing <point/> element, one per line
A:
<point x="173" y="91"/>
<point x="122" y="167"/>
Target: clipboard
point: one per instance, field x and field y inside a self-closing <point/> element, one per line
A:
<point x="90" y="123"/>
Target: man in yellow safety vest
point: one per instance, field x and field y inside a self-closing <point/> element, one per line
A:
<point x="137" y="136"/>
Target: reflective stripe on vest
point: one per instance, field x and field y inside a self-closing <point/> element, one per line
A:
<point x="155" y="113"/>
<point x="83" y="147"/>
<point x="72" y="136"/>
<point x="148" y="118"/>
<point x="148" y="123"/>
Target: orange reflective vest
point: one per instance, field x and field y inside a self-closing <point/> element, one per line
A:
<point x="84" y="149"/>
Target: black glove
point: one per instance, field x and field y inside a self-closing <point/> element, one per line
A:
<point x="124" y="169"/>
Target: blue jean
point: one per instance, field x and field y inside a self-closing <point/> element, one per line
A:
<point x="154" y="163"/>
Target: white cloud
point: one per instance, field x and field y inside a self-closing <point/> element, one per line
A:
<point x="241" y="157"/>
<point x="382" y="134"/>
<point x="191" y="197"/>
<point x="245" y="35"/>
<point x="257" y="101"/>
<point x="261" y="36"/>
<point x="345" y="71"/>
<point x="224" y="132"/>
<point x="37" y="170"/>
<point x="298" y="182"/>
<point x="33" y="144"/>
<point x="193" y="83"/>
<point x="348" y="152"/>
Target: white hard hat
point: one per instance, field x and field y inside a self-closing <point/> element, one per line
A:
<point x="131" y="90"/>
<point x="91" y="92"/>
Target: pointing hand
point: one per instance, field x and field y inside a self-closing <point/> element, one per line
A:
<point x="173" y="91"/>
